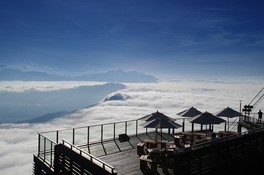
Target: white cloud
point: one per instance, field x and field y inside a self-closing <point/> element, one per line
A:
<point x="19" y="141"/>
<point x="22" y="86"/>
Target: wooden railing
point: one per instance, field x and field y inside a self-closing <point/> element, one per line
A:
<point x="90" y="158"/>
<point x="228" y="155"/>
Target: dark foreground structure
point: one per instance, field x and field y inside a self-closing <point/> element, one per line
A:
<point x="126" y="148"/>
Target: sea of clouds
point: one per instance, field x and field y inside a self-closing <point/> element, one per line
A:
<point x="18" y="142"/>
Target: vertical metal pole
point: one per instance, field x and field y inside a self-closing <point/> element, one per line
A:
<point x="73" y="136"/>
<point x="88" y="139"/>
<point x="57" y="136"/>
<point x="38" y="144"/>
<point x="114" y="130"/>
<point x="126" y="127"/>
<point x="44" y="148"/>
<point x="88" y="135"/>
<point x="102" y="130"/>
<point x="240" y="105"/>
<point x="136" y="127"/>
<point x="51" y="163"/>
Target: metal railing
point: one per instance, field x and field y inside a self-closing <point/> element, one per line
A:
<point x="253" y="118"/>
<point x="97" y="133"/>
<point x="88" y="135"/>
<point x="46" y="149"/>
<point x="85" y="136"/>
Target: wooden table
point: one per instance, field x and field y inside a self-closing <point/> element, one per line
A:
<point x="196" y="134"/>
<point x="154" y="143"/>
<point x="191" y="137"/>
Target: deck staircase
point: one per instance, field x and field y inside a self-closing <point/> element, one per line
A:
<point x="248" y="122"/>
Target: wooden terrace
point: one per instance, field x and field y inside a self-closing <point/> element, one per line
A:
<point x="127" y="150"/>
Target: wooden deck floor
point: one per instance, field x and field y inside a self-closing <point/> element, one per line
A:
<point x="125" y="162"/>
<point x="123" y="155"/>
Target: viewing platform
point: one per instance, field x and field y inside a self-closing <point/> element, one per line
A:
<point x="128" y="148"/>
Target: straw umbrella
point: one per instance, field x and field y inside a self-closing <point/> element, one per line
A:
<point x="229" y="113"/>
<point x="155" y="115"/>
<point x="162" y="122"/>
<point x="205" y="118"/>
<point x="191" y="112"/>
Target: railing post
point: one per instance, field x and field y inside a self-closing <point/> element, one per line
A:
<point x="88" y="135"/>
<point x="44" y="148"/>
<point x="51" y="161"/>
<point x="73" y="136"/>
<point x="57" y="136"/>
<point x="125" y="127"/>
<point x="136" y="127"/>
<point x="102" y="130"/>
<point x="114" y="130"/>
<point x="38" y="144"/>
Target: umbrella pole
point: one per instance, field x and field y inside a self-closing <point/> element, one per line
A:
<point x="156" y="134"/>
<point x="206" y="130"/>
<point x="160" y="135"/>
<point x="192" y="135"/>
<point x="228" y="124"/>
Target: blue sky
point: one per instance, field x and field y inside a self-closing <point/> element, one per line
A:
<point x="192" y="37"/>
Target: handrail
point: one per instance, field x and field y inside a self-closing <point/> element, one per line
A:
<point x="92" y="158"/>
<point x="43" y="158"/>
<point x="110" y="123"/>
<point x="252" y="119"/>
<point x="47" y="138"/>
<point x="128" y="127"/>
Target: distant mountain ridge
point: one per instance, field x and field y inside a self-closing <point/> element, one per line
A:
<point x="25" y="106"/>
<point x="45" y="118"/>
<point x="110" y="76"/>
<point x="50" y="116"/>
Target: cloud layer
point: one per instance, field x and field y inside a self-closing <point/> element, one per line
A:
<point x="19" y="141"/>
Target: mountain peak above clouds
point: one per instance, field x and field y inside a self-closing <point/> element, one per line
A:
<point x="119" y="75"/>
<point x="117" y="96"/>
<point x="11" y="74"/>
